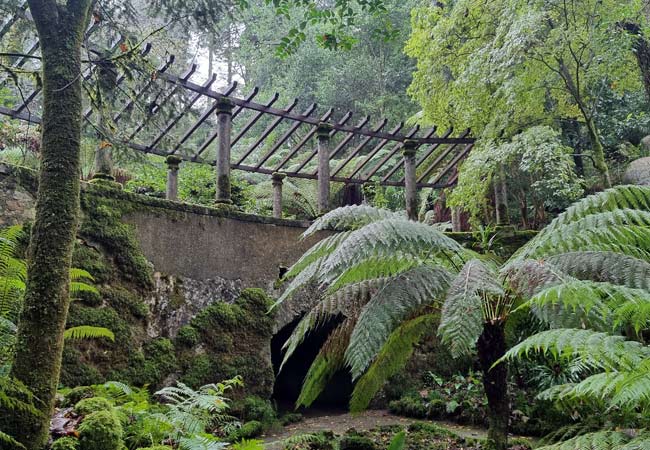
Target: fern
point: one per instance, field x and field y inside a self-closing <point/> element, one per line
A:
<point x="349" y="218"/>
<point x="598" y="349"/>
<point x="620" y="197"/>
<point x="400" y="297"/>
<point x="328" y="361"/>
<point x="391" y="359"/>
<point x="346" y="301"/>
<point x="88" y="332"/>
<point x="462" y="317"/>
<point x="372" y="268"/>
<point x="601" y="440"/>
<point x="385" y="238"/>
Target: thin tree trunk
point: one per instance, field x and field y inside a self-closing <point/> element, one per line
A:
<point x="40" y="332"/>
<point x="491" y="346"/>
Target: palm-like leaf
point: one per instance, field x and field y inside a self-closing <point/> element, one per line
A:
<point x="395" y="302"/>
<point x="88" y="332"/>
<point x="349" y="218"/>
<point x="461" y="321"/>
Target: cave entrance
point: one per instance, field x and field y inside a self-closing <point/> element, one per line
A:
<point x="288" y="383"/>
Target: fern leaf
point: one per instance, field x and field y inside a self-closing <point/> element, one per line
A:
<point x="601" y="440"/>
<point x="391" y="359"/>
<point x="401" y="296"/>
<point x="462" y="318"/>
<point x="598" y="349"/>
<point x="349" y="218"/>
<point x="345" y="301"/>
<point x="88" y="332"/>
<point x="329" y="360"/>
<point x="386" y="237"/>
<point x="371" y="268"/>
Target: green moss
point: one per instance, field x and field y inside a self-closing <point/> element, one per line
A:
<point x="100" y="430"/>
<point x="150" y="366"/>
<point x="234" y="338"/>
<point x="92" y="260"/>
<point x="256" y="408"/>
<point x="102" y="223"/>
<point x="200" y="371"/>
<point x="90" y="405"/>
<point x="75" y="372"/>
<point x="125" y="302"/>
<point x="187" y="336"/>
<point x="74" y="395"/>
<point x="65" y="443"/>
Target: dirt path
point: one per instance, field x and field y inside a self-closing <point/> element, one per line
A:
<point x="339" y="423"/>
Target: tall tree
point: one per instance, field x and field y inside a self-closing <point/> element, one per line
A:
<point x="37" y="364"/>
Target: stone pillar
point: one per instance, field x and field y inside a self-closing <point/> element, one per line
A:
<point x="173" y="163"/>
<point x="103" y="164"/>
<point x="323" y="133"/>
<point x="410" y="180"/>
<point x="456" y="219"/>
<point x="224" y="126"/>
<point x="277" y="178"/>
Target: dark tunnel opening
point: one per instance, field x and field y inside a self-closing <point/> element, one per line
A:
<point x="288" y="383"/>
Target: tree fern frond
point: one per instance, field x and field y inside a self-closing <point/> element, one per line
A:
<point x="77" y="287"/>
<point x="371" y="268"/>
<point x="391" y="359"/>
<point x="526" y="277"/>
<point x="619" y="197"/>
<point x="203" y="442"/>
<point x="329" y="360"/>
<point x="598" y="349"/>
<point x="600" y="440"/>
<point x="601" y="305"/>
<point x="88" y="332"/>
<point x="611" y="267"/>
<point x="386" y="237"/>
<point x="462" y="318"/>
<point x="349" y="218"/>
<point x="346" y="301"/>
<point x="401" y="296"/>
<point x="615" y="238"/>
<point x="316" y="252"/>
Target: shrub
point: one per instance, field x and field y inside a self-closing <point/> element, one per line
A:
<point x="356" y="442"/>
<point x="88" y="406"/>
<point x="76" y="394"/>
<point x="248" y="430"/>
<point x="187" y="336"/>
<point x="155" y="447"/>
<point x="256" y="408"/>
<point x="65" y="443"/>
<point x="100" y="430"/>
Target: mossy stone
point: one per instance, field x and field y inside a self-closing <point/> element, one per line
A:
<point x="65" y="443"/>
<point x="101" y="430"/>
<point x="88" y="406"/>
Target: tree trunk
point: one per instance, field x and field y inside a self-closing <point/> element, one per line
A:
<point x="598" y="152"/>
<point x="492" y="346"/>
<point x="40" y="332"/>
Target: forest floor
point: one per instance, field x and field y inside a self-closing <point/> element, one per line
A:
<point x="339" y="422"/>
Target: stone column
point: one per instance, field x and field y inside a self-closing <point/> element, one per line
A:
<point x="103" y="164"/>
<point x="410" y="180"/>
<point x="224" y="126"/>
<point x="173" y="163"/>
<point x="323" y="133"/>
<point x="277" y="178"/>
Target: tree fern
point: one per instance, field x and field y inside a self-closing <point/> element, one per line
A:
<point x="462" y="318"/>
<point x="88" y="332"/>
<point x="399" y="298"/>
<point x="349" y="218"/>
<point x="371" y="268"/>
<point x="329" y="360"/>
<point x="347" y="301"/>
<point x="601" y="440"/>
<point x="391" y="359"/>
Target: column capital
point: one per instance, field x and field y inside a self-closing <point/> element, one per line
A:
<point x="410" y="147"/>
<point x="323" y="130"/>
<point x="224" y="106"/>
<point x="173" y="162"/>
<point x="278" y="177"/>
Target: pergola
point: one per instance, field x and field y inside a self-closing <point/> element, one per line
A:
<point x="171" y="115"/>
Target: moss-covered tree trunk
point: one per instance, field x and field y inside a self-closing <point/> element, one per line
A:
<point x="42" y="322"/>
<point x="491" y="346"/>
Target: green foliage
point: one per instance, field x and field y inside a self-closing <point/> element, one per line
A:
<point x="100" y="430"/>
<point x="248" y="444"/>
<point x="88" y="406"/>
<point x="65" y="443"/>
<point x="187" y="336"/>
<point x="88" y="332"/>
<point x="248" y="430"/>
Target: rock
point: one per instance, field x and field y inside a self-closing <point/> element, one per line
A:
<point x="638" y="171"/>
